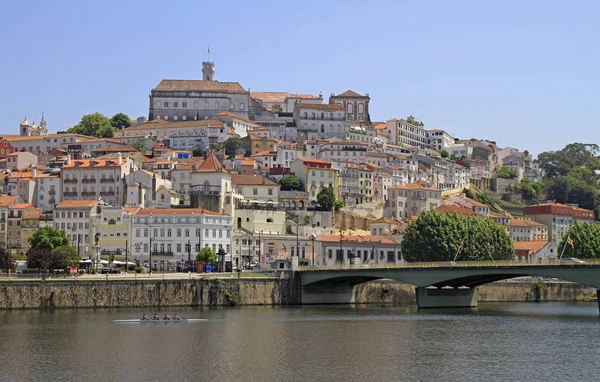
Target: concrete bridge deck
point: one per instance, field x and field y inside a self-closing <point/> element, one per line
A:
<point x="446" y="284"/>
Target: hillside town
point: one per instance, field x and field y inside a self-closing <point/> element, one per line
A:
<point x="281" y="178"/>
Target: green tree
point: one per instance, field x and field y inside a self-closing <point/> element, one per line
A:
<point x="291" y="183"/>
<point x="6" y="260"/>
<point x="231" y="145"/>
<point x="199" y="152"/>
<point x="206" y="255"/>
<point x="120" y="121"/>
<point x="139" y="145"/>
<point x="444" y="154"/>
<point x="338" y="205"/>
<point x="533" y="191"/>
<point x="276" y="108"/>
<point x="307" y="219"/>
<point x="326" y="198"/>
<point x="586" y="241"/>
<point x="505" y="173"/>
<point x="95" y="125"/>
<point x="64" y="256"/>
<point x="573" y="155"/>
<point x="48" y="238"/>
<point x="443" y="236"/>
<point x="111" y="258"/>
<point x="413" y="121"/>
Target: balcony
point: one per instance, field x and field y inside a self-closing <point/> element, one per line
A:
<point x="69" y="194"/>
<point x="52" y="201"/>
<point x="107" y="193"/>
<point x="205" y="190"/>
<point x="88" y="193"/>
<point x="107" y="180"/>
<point x="162" y="253"/>
<point x="52" y="192"/>
<point x="69" y="180"/>
<point x="88" y="180"/>
<point x="107" y="253"/>
<point x="14" y="246"/>
<point x="350" y="148"/>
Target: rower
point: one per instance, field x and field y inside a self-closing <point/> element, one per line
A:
<point x="155" y="318"/>
<point x="176" y="317"/>
<point x="167" y="317"/>
<point x="144" y="318"/>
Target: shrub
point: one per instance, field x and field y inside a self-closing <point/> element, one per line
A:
<point x="138" y="270"/>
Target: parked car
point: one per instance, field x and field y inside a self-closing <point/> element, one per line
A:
<point x="109" y="270"/>
<point x="571" y="261"/>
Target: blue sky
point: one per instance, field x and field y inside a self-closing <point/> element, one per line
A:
<point x="522" y="73"/>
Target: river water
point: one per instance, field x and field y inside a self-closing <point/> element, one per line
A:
<point x="495" y="342"/>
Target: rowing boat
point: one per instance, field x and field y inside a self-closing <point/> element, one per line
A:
<point x="165" y="321"/>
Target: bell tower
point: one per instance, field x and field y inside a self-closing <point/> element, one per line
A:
<point x="208" y="69"/>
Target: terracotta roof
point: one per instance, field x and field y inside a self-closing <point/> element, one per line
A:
<point x="385" y="220"/>
<point x="211" y="164"/>
<point x="158" y="176"/>
<point x="495" y="215"/>
<point x="44" y="137"/>
<point x="532" y="246"/>
<point x="358" y="238"/>
<point x="252" y="180"/>
<point x="161" y="124"/>
<point x="119" y="148"/>
<point x="77" y="203"/>
<point x="318" y="161"/>
<point x="175" y="211"/>
<point x="525" y="223"/>
<point x="93" y="140"/>
<point x="449" y="208"/>
<point x="349" y="93"/>
<point x="380" y="126"/>
<point x="200" y="85"/>
<point x="435" y="131"/>
<point x="347" y="143"/>
<point x="414" y="186"/>
<point x="475" y="202"/>
<point x="21" y="206"/>
<point x="279" y="97"/>
<point x="92" y="163"/>
<point x="234" y="115"/>
<point x="169" y="190"/>
<point x="318" y="106"/>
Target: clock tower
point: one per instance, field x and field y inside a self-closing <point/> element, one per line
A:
<point x="208" y="71"/>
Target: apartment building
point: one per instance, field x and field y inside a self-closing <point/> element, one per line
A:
<point x="409" y="200"/>
<point x="75" y="217"/>
<point x="558" y="218"/>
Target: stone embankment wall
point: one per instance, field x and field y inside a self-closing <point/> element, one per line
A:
<point x="396" y="293"/>
<point x="141" y="293"/>
<point x="199" y="292"/>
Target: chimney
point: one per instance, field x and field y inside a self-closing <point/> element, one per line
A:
<point x="119" y="158"/>
<point x="69" y="159"/>
<point x="33" y="172"/>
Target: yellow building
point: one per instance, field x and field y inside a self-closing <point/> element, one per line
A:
<point x="30" y="224"/>
<point x="111" y="226"/>
<point x="314" y="175"/>
<point x="16" y="212"/>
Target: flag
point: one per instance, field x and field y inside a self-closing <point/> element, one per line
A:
<point x="570" y="242"/>
<point x="284" y="248"/>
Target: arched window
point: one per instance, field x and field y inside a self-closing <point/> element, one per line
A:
<point x="322" y="128"/>
<point x="361" y="108"/>
<point x="350" y="108"/>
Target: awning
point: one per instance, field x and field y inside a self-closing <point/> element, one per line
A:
<point x="103" y="262"/>
<point x="87" y="261"/>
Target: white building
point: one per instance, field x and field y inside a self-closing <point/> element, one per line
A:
<point x="350" y="151"/>
<point x="21" y="160"/>
<point x="44" y="143"/>
<point x="92" y="179"/>
<point x="320" y="121"/>
<point x="75" y="216"/>
<point x="168" y="231"/>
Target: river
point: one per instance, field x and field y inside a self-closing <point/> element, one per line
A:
<point x="495" y="342"/>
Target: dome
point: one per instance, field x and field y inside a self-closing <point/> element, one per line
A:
<point x="25" y="122"/>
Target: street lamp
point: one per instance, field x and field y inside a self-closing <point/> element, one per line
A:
<point x="259" y="245"/>
<point x="313" y="237"/>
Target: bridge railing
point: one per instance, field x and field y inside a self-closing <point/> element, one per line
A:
<point x="447" y="264"/>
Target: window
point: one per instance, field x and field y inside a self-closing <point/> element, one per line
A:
<point x="270" y="191"/>
<point x="166" y="104"/>
<point x="178" y="247"/>
<point x="178" y="232"/>
<point x="206" y="105"/>
<point x="217" y="104"/>
<point x="183" y="104"/>
<point x="242" y="106"/>
<point x="255" y="191"/>
<point x="214" y="233"/>
<point x="187" y="233"/>
<point x="231" y="106"/>
<point x="175" y="104"/>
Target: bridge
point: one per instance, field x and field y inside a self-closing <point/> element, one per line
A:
<point x="438" y="285"/>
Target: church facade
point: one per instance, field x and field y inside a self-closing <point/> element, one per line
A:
<point x="32" y="130"/>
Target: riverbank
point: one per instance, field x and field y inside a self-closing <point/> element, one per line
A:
<point x="59" y="294"/>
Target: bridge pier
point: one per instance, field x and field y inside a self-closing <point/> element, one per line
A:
<point x="340" y="293"/>
<point x="447" y="298"/>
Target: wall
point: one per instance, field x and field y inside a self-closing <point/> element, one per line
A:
<point x="397" y="293"/>
<point x="102" y="294"/>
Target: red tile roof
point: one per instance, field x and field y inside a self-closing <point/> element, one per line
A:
<point x="349" y="93"/>
<point x="449" y="208"/>
<point x="357" y="238"/>
<point x="175" y="211"/>
<point x="525" y="223"/>
<point x="200" y="85"/>
<point x="252" y="180"/>
<point x="318" y="106"/>
<point x="211" y="164"/>
<point x="77" y="203"/>
<point x="531" y="246"/>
